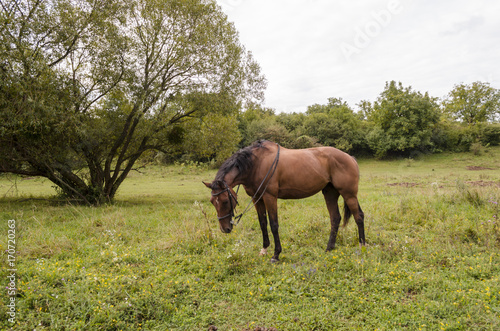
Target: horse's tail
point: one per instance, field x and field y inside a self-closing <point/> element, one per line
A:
<point x="347" y="214"/>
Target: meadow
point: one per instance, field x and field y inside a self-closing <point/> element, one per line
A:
<point x="155" y="259"/>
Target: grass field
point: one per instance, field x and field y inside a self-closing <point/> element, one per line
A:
<point x="156" y="260"/>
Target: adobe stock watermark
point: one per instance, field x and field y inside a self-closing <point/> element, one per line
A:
<point x="373" y="28"/>
<point x="11" y="271"/>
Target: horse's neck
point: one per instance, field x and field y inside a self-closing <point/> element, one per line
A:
<point x="233" y="178"/>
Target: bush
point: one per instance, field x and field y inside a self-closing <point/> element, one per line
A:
<point x="490" y="135"/>
<point x="268" y="129"/>
<point x="477" y="149"/>
<point x="335" y="124"/>
<point x="456" y="137"/>
<point x="452" y="136"/>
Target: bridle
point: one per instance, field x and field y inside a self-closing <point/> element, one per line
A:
<point x="231" y="198"/>
<point x="271" y="172"/>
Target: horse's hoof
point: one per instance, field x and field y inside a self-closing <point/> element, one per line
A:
<point x="263" y="252"/>
<point x="274" y="260"/>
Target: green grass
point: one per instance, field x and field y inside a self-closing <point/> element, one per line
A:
<point x="156" y="260"/>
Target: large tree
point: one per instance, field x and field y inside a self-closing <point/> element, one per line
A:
<point x="473" y="103"/>
<point x="88" y="86"/>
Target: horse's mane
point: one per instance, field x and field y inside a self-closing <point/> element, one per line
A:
<point x="242" y="160"/>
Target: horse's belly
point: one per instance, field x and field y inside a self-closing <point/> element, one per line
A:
<point x="299" y="192"/>
<point x="294" y="195"/>
<point x="299" y="187"/>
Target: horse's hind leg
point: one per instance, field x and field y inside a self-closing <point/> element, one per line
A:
<point x="331" y="198"/>
<point x="353" y="205"/>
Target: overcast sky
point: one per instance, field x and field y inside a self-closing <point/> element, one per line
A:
<point x="311" y="50"/>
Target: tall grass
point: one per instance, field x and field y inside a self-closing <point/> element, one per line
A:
<point x="156" y="260"/>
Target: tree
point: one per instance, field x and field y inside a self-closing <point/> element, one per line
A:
<point x="88" y="86"/>
<point x="212" y="135"/>
<point x="365" y="109"/>
<point x="474" y="103"/>
<point x="403" y="120"/>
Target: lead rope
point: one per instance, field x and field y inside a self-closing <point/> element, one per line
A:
<point x="271" y="171"/>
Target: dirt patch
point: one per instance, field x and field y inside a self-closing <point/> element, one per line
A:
<point x="477" y="168"/>
<point x="404" y="184"/>
<point x="483" y="183"/>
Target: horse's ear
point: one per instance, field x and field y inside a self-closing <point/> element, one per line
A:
<point x="209" y="185"/>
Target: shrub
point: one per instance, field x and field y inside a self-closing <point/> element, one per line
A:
<point x="490" y="134"/>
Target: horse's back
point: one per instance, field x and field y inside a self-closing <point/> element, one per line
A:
<point x="304" y="172"/>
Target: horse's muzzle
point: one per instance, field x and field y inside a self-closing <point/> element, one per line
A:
<point x="226" y="228"/>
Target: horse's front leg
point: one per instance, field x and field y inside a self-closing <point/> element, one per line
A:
<point x="261" y="213"/>
<point x="272" y="210"/>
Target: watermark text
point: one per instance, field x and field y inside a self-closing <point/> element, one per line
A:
<point x="373" y="28"/>
<point x="11" y="271"/>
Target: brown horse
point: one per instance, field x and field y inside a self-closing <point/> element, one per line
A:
<point x="268" y="172"/>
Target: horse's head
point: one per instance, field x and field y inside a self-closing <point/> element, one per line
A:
<point x="224" y="200"/>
